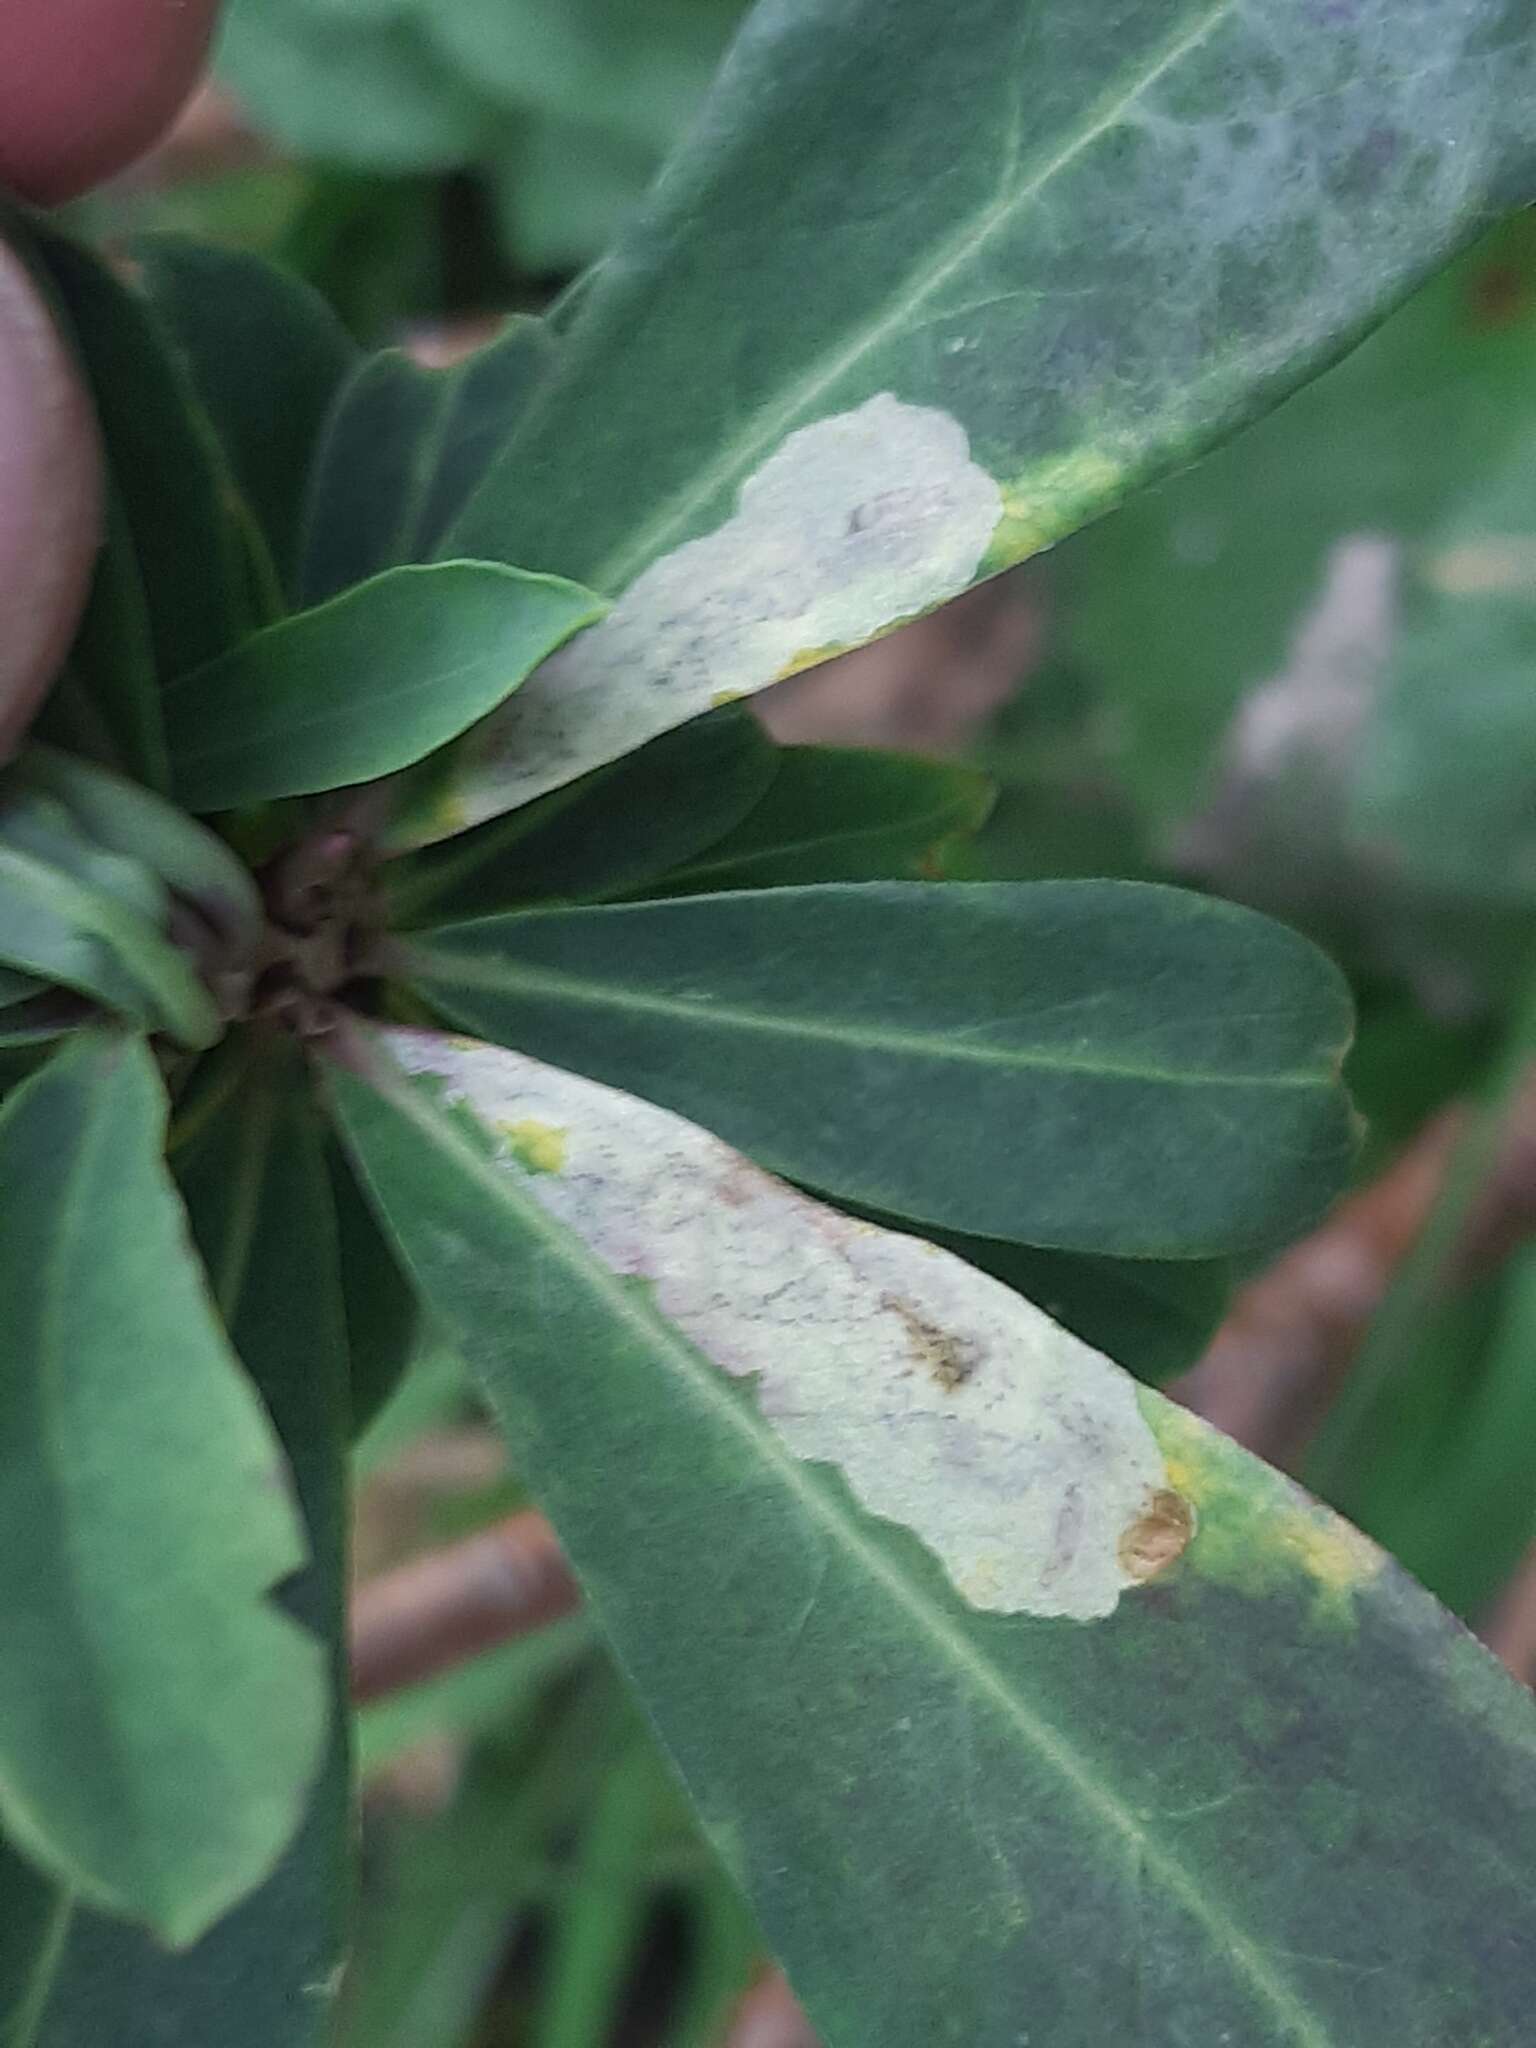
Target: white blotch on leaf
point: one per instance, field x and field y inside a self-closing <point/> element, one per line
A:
<point x="852" y="524"/>
<point x="1019" y="1456"/>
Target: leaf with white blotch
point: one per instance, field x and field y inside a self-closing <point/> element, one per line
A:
<point x="1098" y="1066"/>
<point x="159" y="1719"/>
<point x="870" y="342"/>
<point x="969" y="1646"/>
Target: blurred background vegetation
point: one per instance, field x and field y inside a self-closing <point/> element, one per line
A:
<point x="1300" y="674"/>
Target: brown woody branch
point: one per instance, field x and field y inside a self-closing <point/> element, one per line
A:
<point x="440" y="1610"/>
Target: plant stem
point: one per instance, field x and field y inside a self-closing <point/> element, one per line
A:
<point x="440" y="1610"/>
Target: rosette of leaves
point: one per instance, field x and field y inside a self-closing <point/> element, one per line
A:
<point x="400" y="916"/>
<point x="566" y="110"/>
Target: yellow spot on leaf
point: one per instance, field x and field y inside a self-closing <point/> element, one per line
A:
<point x="807" y="657"/>
<point x="1256" y="1530"/>
<point x="723" y="697"/>
<point x="540" y="1147"/>
<point x="1050" y="502"/>
<point x="1338" y="1556"/>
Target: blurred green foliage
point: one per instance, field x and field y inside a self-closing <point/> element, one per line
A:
<point x="565" y="111"/>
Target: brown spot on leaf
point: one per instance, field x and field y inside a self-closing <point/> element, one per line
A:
<point x="1158" y="1536"/>
<point x="946" y="1358"/>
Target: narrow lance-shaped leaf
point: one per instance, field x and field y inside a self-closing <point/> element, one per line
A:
<point x="1099" y="1066"/>
<point x="62" y="928"/>
<point x="404" y="449"/>
<point x="267" y="1975"/>
<point x="844" y="814"/>
<point x="364" y="685"/>
<point x="969" y="1646"/>
<point x="159" y="1718"/>
<point x="266" y="356"/>
<point x="874" y="339"/>
<point x="167" y="469"/>
<point x="616" y="829"/>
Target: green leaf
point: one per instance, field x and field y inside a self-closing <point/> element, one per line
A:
<point x="602" y="1916"/>
<point x="401" y="106"/>
<point x="266" y="1976"/>
<point x="159" y="1719"/>
<point x="1092" y="1700"/>
<point x="1098" y="1066"/>
<point x="18" y="988"/>
<point x="126" y="819"/>
<point x="266" y="356"/>
<point x="618" y="828"/>
<point x="821" y="387"/>
<point x="107" y="701"/>
<point x="80" y="934"/>
<point x="450" y="1889"/>
<point x="34" y="1919"/>
<point x="844" y="814"/>
<point x="381" y="1313"/>
<point x="403" y="450"/>
<point x="166" y="467"/>
<point x="365" y="685"/>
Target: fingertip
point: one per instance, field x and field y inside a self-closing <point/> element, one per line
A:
<point x="50" y="500"/>
<point x="86" y="86"/>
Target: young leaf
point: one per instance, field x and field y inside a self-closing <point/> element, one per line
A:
<point x="73" y="931"/>
<point x="844" y="814"/>
<point x="266" y="356"/>
<point x="616" y="829"/>
<point x="821" y="388"/>
<point x="1098" y="1066"/>
<point x="970" y="1646"/>
<point x="364" y="685"/>
<point x="404" y="449"/>
<point x="159" y="1719"/>
<point x="126" y="819"/>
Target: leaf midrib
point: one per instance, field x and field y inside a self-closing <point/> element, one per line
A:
<point x="708" y="1383"/>
<point x="517" y="978"/>
<point x="769" y="426"/>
